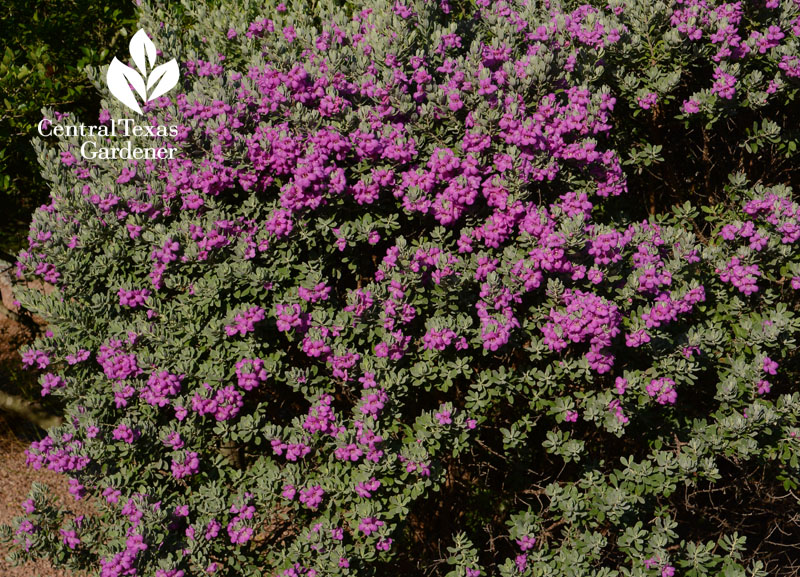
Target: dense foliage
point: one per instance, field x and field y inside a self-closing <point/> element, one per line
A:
<point x="46" y="46"/>
<point x="509" y="290"/>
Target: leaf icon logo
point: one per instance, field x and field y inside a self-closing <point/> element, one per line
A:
<point x="123" y="80"/>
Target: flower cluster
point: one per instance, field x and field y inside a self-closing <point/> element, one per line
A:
<point x="133" y="298"/>
<point x="250" y="373"/>
<point x="663" y="389"/>
<point x="188" y="465"/>
<point x="743" y="277"/>
<point x="245" y="322"/>
<point x="587" y="317"/>
<point x="160" y="386"/>
<point x="224" y="404"/>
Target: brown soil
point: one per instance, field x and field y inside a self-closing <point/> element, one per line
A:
<point x="12" y="334"/>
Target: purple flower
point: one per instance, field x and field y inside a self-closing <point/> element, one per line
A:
<point x="438" y="340"/>
<point x="443" y="417"/>
<point x="526" y="542"/>
<point x="369" y="525"/>
<point x="160" y="386"/>
<point x="174" y="441"/>
<point x="311" y="497"/>
<point x="78" y="357"/>
<point x="212" y="529"/>
<point x="51" y="382"/>
<point x="186" y="467"/>
<point x="691" y="106"/>
<point x="724" y="84"/>
<point x="740" y="276"/>
<point x="125" y="434"/>
<point x="587" y="317"/>
<point x="648" y="100"/>
<point x="521" y="561"/>
<point x="664" y="389"/>
<point x="350" y="452"/>
<point x="133" y="298"/>
<point x="367" y="488"/>
<point x="33" y="357"/>
<point x="77" y="490"/>
<point x="320" y="292"/>
<point x="70" y="538"/>
<point x="111" y="495"/>
<point x="250" y="373"/>
<point x="637" y="339"/>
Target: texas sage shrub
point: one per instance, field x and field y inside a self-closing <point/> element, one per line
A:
<point x="396" y="307"/>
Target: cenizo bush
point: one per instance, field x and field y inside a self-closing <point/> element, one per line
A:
<point x="398" y="294"/>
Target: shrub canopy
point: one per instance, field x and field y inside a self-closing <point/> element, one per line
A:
<point x="423" y="291"/>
